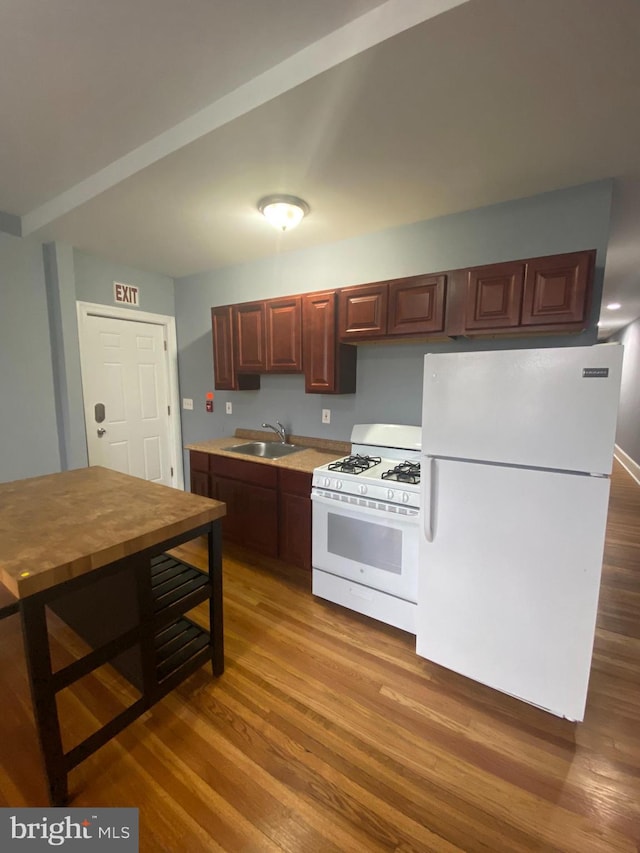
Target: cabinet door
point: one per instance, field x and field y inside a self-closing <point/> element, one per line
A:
<point x="228" y="492"/>
<point x="250" y="328"/>
<point x="199" y="470"/>
<point x="200" y="484"/>
<point x="494" y="296"/>
<point x="295" y="530"/>
<point x="225" y="377"/>
<point x="223" y="365"/>
<point x="294" y="507"/>
<point x="252" y="503"/>
<point x="329" y="367"/>
<point x="260" y="519"/>
<point x="362" y="312"/>
<point x="416" y="305"/>
<point x="252" y="515"/>
<point x="556" y="290"/>
<point x="284" y="335"/>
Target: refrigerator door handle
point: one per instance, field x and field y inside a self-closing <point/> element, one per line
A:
<point x="427" y="516"/>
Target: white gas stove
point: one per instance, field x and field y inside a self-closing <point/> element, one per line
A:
<point x="365" y="524"/>
<point x="379" y="472"/>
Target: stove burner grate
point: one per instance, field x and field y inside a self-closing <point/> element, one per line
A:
<point x="355" y="464"/>
<point x="405" y="472"/>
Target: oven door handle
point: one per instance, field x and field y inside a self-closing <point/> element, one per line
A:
<point x="356" y="508"/>
<point x="429" y="498"/>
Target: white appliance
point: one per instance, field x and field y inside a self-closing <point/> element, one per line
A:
<point x="365" y="525"/>
<point x="517" y="452"/>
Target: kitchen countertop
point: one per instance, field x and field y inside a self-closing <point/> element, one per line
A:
<point x="317" y="451"/>
<point x="61" y="526"/>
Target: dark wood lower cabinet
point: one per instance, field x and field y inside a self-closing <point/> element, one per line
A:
<point x="200" y="484"/>
<point x="252" y="514"/>
<point x="199" y="473"/>
<point x="294" y="508"/>
<point x="268" y="508"/>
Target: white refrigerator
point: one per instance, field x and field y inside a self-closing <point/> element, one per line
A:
<point x="517" y="452"/>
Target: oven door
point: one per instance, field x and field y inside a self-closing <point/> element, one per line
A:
<point x="354" y="539"/>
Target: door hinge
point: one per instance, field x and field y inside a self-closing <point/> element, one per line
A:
<point x="168" y="410"/>
<point x="172" y="472"/>
<point x="165" y="345"/>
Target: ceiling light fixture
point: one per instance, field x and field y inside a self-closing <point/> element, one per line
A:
<point x="284" y="212"/>
<point x="613" y="306"/>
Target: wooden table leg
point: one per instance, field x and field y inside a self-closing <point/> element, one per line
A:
<point x="43" y="697"/>
<point x="216" y="623"/>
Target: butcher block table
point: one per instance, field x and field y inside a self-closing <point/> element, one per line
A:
<point x="90" y="545"/>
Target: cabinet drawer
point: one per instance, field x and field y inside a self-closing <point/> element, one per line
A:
<point x="199" y="461"/>
<point x="248" y="472"/>
<point x="295" y="482"/>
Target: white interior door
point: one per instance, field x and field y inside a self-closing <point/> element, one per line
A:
<point x="125" y="371"/>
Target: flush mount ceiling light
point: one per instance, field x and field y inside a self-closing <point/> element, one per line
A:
<point x="284" y="212"/>
<point x="614" y="306"/>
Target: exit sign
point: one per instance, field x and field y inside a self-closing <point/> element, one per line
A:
<point x="126" y="293"/>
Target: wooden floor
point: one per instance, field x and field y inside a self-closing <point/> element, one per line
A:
<point x="327" y="733"/>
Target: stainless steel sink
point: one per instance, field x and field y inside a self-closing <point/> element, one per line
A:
<point x="265" y="449"/>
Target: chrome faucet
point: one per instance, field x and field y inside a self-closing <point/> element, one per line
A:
<point x="280" y="430"/>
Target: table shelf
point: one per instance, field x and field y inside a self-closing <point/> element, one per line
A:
<point x="177" y="645"/>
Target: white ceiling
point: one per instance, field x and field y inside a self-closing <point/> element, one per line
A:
<point x="146" y="130"/>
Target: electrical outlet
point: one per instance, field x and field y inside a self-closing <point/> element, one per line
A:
<point x="187" y="403"/>
<point x="326" y="416"/>
<point x="229" y="408"/>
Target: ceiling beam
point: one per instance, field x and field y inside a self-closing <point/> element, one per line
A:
<point x="10" y="224"/>
<point x="381" y="23"/>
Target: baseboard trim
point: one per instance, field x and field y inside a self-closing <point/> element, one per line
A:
<point x="627" y="462"/>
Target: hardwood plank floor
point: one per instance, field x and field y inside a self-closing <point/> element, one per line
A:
<point x="327" y="733"/>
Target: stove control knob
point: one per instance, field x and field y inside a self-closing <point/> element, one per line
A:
<point x="362" y="489"/>
<point x="390" y="494"/>
<point x="338" y="484"/>
<point x="327" y="482"/>
<point x="405" y="497"/>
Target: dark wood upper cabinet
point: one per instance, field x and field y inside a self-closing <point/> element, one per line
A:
<point x="284" y="335"/>
<point x="535" y="295"/>
<point x="556" y="290"/>
<point x="416" y="305"/>
<point x="329" y="366"/>
<point x="251" y="339"/>
<point x="362" y="311"/>
<point x="315" y="333"/>
<point x="494" y="296"/>
<point x="403" y="307"/>
<point x="224" y="354"/>
<point x="223" y="363"/>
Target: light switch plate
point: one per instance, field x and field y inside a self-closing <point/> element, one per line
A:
<point x="326" y="416"/>
<point x="187" y="403"/>
<point x="229" y="408"/>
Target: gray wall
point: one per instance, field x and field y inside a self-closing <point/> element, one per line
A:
<point x="41" y="416"/>
<point x="390" y="376"/>
<point x="28" y="426"/>
<point x="628" y="433"/>
<point x="94" y="279"/>
<point x="40" y="419"/>
<point x="63" y="327"/>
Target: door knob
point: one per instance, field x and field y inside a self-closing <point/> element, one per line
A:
<point x="101" y="431"/>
